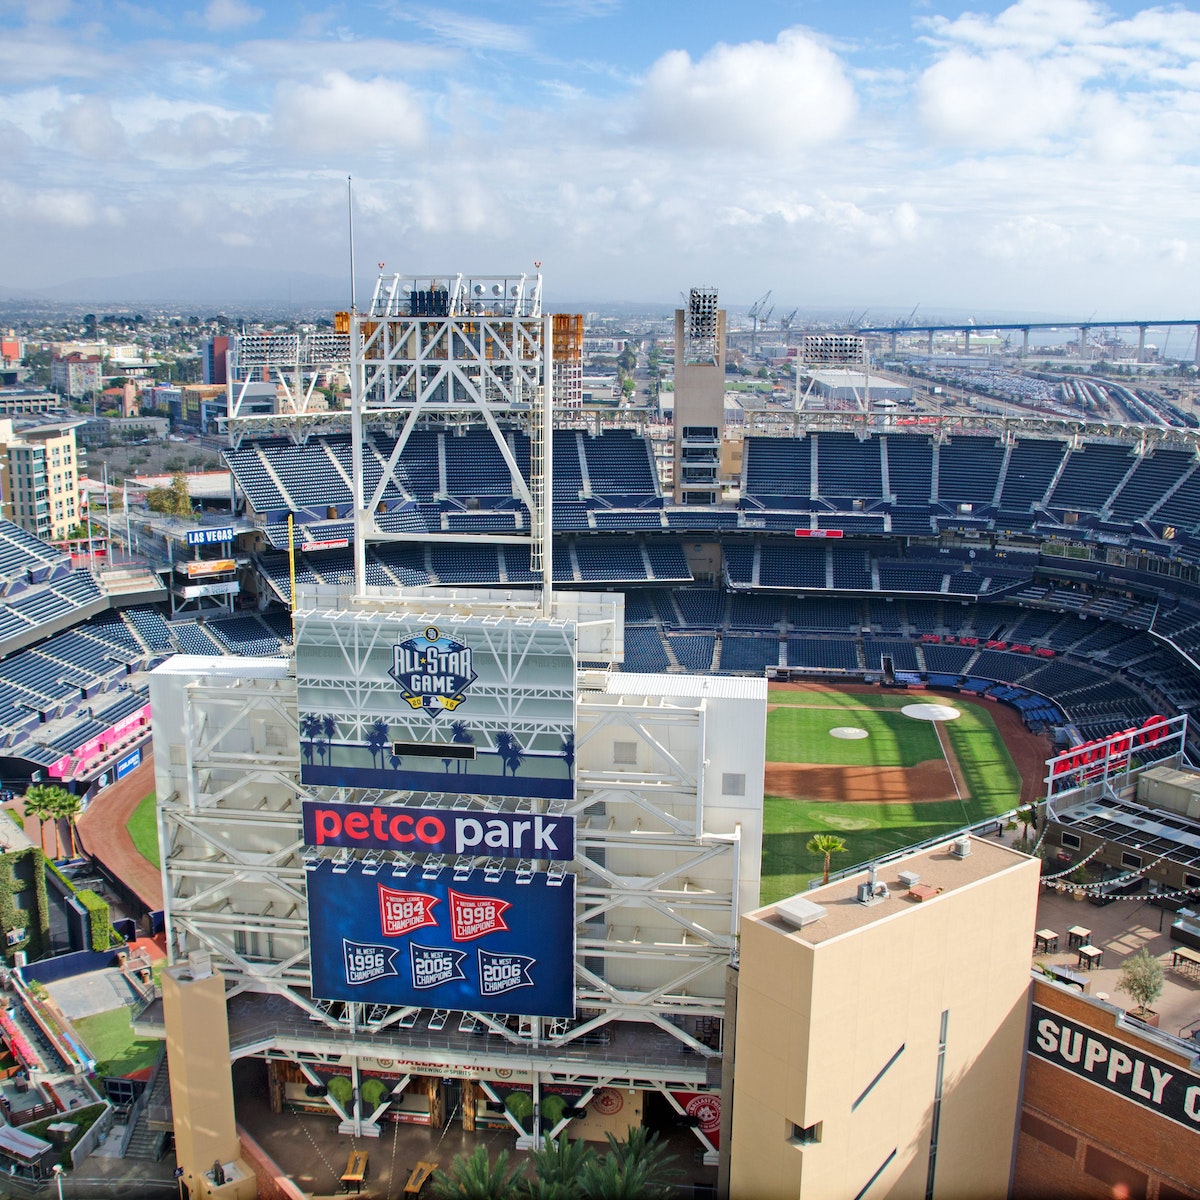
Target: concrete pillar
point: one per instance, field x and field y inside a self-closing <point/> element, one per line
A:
<point x="1196" y="359"/>
<point x="893" y="341"/>
<point x="1024" y="343"/>
<point x="1141" y="342"/>
<point x="197" y="1028"/>
<point x="1083" y="341"/>
<point x="967" y="342"/>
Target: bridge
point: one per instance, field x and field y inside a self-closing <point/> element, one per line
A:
<point x="1023" y="327"/>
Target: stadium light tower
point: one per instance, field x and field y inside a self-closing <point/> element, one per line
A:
<point x="447" y="351"/>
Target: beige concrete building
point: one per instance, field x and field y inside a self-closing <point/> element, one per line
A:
<point x="699" y="398"/>
<point x="879" y="1042"/>
<point x="40" y="479"/>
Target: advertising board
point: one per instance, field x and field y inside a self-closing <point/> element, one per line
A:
<point x="129" y="763"/>
<point x="505" y="945"/>
<point x="439" y="830"/>
<point x="470" y="705"/>
<point x="209" y="537"/>
<point x="206" y="566"/>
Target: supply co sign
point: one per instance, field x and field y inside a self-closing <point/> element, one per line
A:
<point x="1159" y="1086"/>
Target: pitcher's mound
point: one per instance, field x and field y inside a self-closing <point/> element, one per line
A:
<point x="848" y="733"/>
<point x="930" y="712"/>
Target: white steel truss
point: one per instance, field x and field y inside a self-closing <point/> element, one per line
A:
<point x="657" y="893"/>
<point x="475" y="348"/>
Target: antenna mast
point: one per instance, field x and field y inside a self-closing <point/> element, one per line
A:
<point x="350" y="213"/>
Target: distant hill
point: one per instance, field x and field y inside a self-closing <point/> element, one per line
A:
<point x="193" y="286"/>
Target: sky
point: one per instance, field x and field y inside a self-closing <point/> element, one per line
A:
<point x="1037" y="157"/>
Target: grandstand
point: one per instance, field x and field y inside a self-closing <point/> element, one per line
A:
<point x="929" y="545"/>
<point x="1056" y="572"/>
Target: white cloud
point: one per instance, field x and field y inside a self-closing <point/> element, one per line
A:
<point x="88" y="127"/>
<point x="997" y="100"/>
<point x="220" y="15"/>
<point x="475" y="33"/>
<point x="757" y="96"/>
<point x="1067" y="71"/>
<point x="338" y="114"/>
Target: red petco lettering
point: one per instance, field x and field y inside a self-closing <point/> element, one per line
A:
<point x="402" y="912"/>
<point x="475" y="916"/>
<point x="374" y="823"/>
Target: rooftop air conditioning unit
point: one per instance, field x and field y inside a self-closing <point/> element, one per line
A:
<point x="798" y="912"/>
<point x="961" y="847"/>
<point x="908" y="878"/>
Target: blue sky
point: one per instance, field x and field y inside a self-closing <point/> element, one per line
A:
<point x="1038" y="156"/>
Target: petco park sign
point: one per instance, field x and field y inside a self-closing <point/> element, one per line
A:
<point x="439" y="830"/>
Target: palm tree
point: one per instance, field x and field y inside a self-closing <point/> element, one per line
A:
<point x="568" y="751"/>
<point x="559" y="1165"/>
<point x="639" y="1168"/>
<point x="328" y="729"/>
<point x="377" y="739"/>
<point x="49" y="802"/>
<point x="39" y="803"/>
<point x="67" y="808"/>
<point x="827" y="844"/>
<point x="477" y="1178"/>
<point x="310" y="726"/>
<point x="504" y="745"/>
<point x="462" y="736"/>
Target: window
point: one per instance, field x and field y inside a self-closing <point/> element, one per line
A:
<point x="1133" y="861"/>
<point x="1070" y="840"/>
<point x="805" y="1135"/>
<point x="733" y="784"/>
<point x="1191" y="881"/>
<point x="625" y="754"/>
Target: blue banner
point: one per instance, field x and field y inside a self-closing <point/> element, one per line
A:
<point x="129" y="762"/>
<point x="209" y="537"/>
<point x="439" y="830"/>
<point x="470" y="946"/>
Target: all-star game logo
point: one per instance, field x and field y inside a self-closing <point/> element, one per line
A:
<point x="434" y="671"/>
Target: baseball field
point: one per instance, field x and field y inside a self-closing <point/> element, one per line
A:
<point x="854" y="763"/>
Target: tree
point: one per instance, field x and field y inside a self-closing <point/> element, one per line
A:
<point x="173" y="500"/>
<point x="310" y="726"/>
<point x="40" y="800"/>
<point x="826" y="844"/>
<point x="558" y="1165"/>
<point x="461" y="736"/>
<point x="328" y="729"/>
<point x="67" y="808"/>
<point x="477" y="1178"/>
<point x="568" y="751"/>
<point x="377" y="739"/>
<point x="1142" y="977"/>
<point x="639" y="1168"/>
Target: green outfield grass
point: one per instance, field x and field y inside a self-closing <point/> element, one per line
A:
<point x="870" y="830"/>
<point x="800" y="734"/>
<point x="143" y="830"/>
<point x="109" y="1039"/>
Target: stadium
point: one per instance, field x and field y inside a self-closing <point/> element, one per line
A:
<point x="1027" y="584"/>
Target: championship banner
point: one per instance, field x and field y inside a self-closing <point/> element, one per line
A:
<point x="471" y="946"/>
<point x="473" y="706"/>
<point x="439" y="830"/>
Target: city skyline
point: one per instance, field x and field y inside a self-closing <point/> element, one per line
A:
<point x="1038" y="156"/>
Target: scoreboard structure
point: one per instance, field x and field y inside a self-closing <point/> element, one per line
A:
<point x="450" y="847"/>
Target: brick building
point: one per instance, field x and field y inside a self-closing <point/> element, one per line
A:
<point x="1110" y="1107"/>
